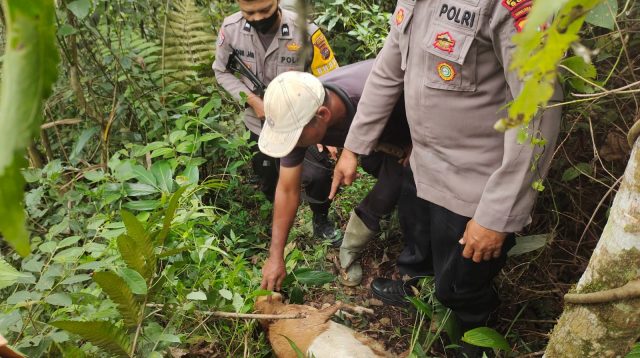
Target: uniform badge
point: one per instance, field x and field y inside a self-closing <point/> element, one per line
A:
<point x="293" y="47"/>
<point x="511" y="4"/>
<point x="519" y="24"/>
<point x="285" y="30"/>
<point x="399" y="16"/>
<point x="247" y="27"/>
<point x="445" y="42"/>
<point x="446" y="71"/>
<point x="519" y="10"/>
<point x="220" y="38"/>
<point x="320" y="42"/>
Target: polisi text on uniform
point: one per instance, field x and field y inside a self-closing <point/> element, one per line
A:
<point x="289" y="60"/>
<point x="454" y="13"/>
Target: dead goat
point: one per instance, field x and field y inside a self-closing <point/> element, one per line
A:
<point x="315" y="335"/>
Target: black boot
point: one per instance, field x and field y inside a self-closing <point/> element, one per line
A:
<point x="325" y="229"/>
<point x="470" y="351"/>
<point x="392" y="292"/>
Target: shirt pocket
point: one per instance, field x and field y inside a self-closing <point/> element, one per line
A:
<point x="451" y="60"/>
<point x="401" y="21"/>
<point x="451" y="52"/>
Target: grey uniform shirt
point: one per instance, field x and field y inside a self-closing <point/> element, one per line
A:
<point x="283" y="54"/>
<point x="452" y="58"/>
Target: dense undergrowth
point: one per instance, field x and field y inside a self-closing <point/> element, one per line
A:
<point x="139" y="191"/>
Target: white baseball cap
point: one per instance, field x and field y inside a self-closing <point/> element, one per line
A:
<point x="290" y="102"/>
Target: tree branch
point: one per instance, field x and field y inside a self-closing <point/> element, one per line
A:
<point x="628" y="291"/>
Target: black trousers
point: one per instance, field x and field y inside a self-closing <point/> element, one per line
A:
<point x="383" y="197"/>
<point x="316" y="176"/>
<point x="431" y="235"/>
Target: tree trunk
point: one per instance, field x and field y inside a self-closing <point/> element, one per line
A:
<point x="606" y="322"/>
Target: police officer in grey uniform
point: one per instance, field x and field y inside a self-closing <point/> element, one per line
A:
<point x="269" y="42"/>
<point x="302" y="111"/>
<point x="472" y="186"/>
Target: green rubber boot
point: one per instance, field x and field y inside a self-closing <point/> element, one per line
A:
<point x="355" y="239"/>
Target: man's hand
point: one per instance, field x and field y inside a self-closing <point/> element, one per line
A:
<point x="480" y="243"/>
<point x="333" y="151"/>
<point x="273" y="273"/>
<point x="345" y="171"/>
<point x="257" y="104"/>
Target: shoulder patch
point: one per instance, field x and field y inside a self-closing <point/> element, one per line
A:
<point x="399" y="19"/>
<point x="323" y="58"/>
<point x="519" y="10"/>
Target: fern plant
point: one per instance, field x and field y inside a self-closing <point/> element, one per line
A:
<point x="188" y="45"/>
<point x="130" y="293"/>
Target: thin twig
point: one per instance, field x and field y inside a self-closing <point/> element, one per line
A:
<point x="60" y="122"/>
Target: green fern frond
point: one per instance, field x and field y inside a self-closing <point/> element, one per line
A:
<point x="120" y="293"/>
<point x="100" y="333"/>
<point x="189" y="43"/>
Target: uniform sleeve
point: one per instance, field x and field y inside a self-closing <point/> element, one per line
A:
<point x="226" y="79"/>
<point x="508" y="196"/>
<point x="382" y="90"/>
<point x="323" y="58"/>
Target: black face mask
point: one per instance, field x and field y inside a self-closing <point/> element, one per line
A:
<point x="265" y="24"/>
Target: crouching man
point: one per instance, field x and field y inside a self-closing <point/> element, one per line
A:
<point x="303" y="111"/>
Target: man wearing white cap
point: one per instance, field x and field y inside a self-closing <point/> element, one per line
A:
<point x="303" y="111"/>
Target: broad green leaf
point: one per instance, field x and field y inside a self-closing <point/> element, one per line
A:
<point x="68" y="241"/>
<point x="80" y="8"/>
<point x="23" y="296"/>
<point x="604" y="14"/>
<point x="59" y="299"/>
<point x="139" y="189"/>
<point x="142" y="205"/>
<point x="48" y="247"/>
<point x="314" y="278"/>
<point x="226" y="294"/>
<point x="214" y="102"/>
<point x="29" y="70"/>
<point x="164" y="175"/>
<point x="192" y="173"/>
<point x="75" y="279"/>
<point x="144" y="176"/>
<point x="102" y="334"/>
<point x="177" y="135"/>
<point x="486" y="337"/>
<point x="120" y="293"/>
<point x="135" y="281"/>
<point x="94" y="175"/>
<point x="296" y="296"/>
<point x="237" y="302"/>
<point x="66" y="30"/>
<point x="69" y="255"/>
<point x="525" y="244"/>
<point x="171" y="338"/>
<point x="197" y="296"/>
<point x="9" y="275"/>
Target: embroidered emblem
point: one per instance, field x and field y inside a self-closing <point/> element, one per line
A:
<point x="247" y="27"/>
<point x="446" y="71"/>
<point x="293" y="47"/>
<point x="220" y="38"/>
<point x="519" y="10"/>
<point x="456" y="14"/>
<point x="320" y="42"/>
<point x="511" y="4"/>
<point x="445" y="42"/>
<point x="399" y="16"/>
<point x="285" y="30"/>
